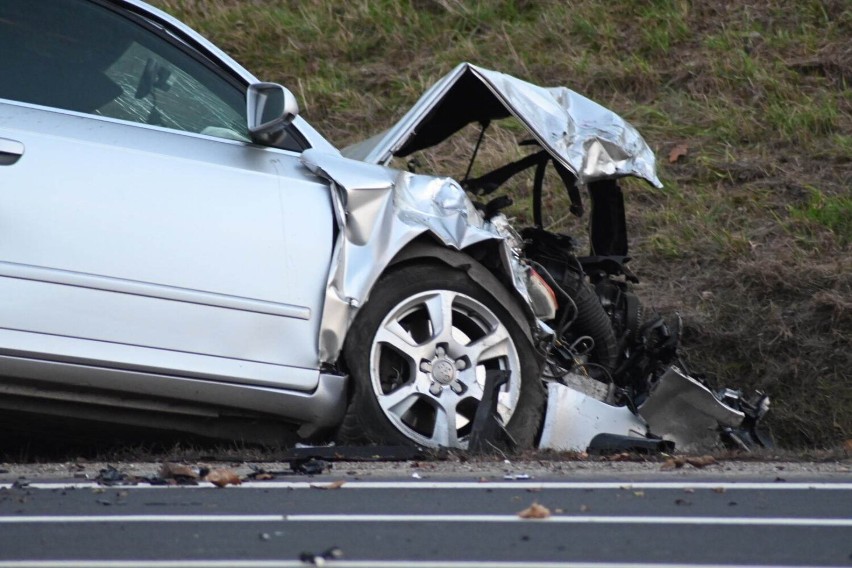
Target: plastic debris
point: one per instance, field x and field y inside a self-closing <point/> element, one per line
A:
<point x="310" y="466"/>
<point x="333" y="553"/>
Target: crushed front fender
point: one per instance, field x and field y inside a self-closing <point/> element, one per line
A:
<point x="379" y="211"/>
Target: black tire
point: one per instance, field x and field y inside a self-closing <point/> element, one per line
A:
<point x="431" y="369"/>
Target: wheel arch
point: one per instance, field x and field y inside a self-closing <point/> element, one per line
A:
<point x="484" y="263"/>
<point x="425" y="268"/>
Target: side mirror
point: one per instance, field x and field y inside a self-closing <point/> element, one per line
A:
<point x="269" y="108"/>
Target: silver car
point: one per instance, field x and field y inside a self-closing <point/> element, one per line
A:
<point x="164" y="250"/>
<point x="179" y="248"/>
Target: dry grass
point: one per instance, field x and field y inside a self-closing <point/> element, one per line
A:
<point x="750" y="240"/>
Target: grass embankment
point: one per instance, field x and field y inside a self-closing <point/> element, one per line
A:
<point x="749" y="240"/>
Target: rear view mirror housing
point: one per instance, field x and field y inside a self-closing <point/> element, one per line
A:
<point x="270" y="108"/>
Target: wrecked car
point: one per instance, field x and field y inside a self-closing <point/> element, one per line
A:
<point x="179" y="248"/>
<point x="611" y="365"/>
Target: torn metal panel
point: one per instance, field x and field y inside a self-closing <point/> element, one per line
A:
<point x="380" y="211"/>
<point x="590" y="140"/>
<point x="681" y="409"/>
<point x="573" y="419"/>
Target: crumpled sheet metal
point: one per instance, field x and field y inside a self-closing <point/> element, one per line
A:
<point x="573" y="419"/>
<point x="682" y="410"/>
<point x="380" y="211"/>
<point x="587" y="138"/>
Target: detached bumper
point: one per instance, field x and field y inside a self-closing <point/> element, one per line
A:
<point x="679" y="410"/>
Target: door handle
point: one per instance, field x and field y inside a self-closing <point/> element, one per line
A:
<point x="10" y="151"/>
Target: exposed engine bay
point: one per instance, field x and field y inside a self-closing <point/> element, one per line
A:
<point x="606" y="342"/>
<point x="613" y="370"/>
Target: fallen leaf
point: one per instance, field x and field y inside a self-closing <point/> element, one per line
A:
<point x="701" y="461"/>
<point x="535" y="511"/>
<point x="333" y="485"/>
<point x="171" y="470"/>
<point x="222" y="477"/>
<point x="678" y="152"/>
<point x="719" y="490"/>
<point x="623" y="456"/>
<point x="264" y="477"/>
<point x="682" y="502"/>
<point x="639" y="493"/>
<point x="673" y="463"/>
<point x="584" y="508"/>
<point x="689" y="490"/>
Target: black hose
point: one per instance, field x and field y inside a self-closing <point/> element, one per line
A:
<point x="592" y="320"/>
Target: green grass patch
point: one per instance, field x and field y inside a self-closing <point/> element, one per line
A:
<point x="832" y="212"/>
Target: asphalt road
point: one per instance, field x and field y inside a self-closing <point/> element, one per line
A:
<point x="410" y="522"/>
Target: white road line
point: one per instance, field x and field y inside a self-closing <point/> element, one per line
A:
<point x="46" y="519"/>
<point x="590" y="519"/>
<point x="356" y="518"/>
<point x="344" y="564"/>
<point x="522" y="485"/>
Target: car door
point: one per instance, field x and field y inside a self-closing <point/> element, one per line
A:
<point x="139" y="227"/>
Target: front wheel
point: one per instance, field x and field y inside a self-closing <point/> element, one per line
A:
<point x="418" y="352"/>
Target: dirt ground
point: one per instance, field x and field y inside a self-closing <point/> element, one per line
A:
<point x="765" y="467"/>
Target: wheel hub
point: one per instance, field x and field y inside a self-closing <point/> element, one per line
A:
<point x="443" y="371"/>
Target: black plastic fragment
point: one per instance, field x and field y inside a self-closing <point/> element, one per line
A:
<point x="333" y="553"/>
<point x="112" y="476"/>
<point x="487" y="431"/>
<point x="310" y="466"/>
<point x="614" y="443"/>
<point x="356" y="453"/>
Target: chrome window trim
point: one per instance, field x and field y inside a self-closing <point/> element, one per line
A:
<point x="156" y="128"/>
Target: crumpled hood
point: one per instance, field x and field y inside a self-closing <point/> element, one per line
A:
<point x="591" y="141"/>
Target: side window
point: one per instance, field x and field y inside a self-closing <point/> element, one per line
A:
<point x="81" y="56"/>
